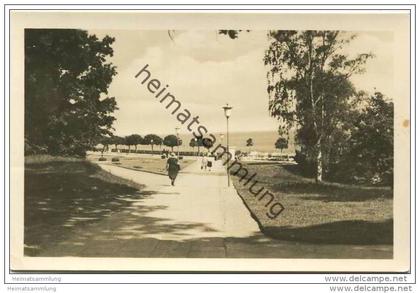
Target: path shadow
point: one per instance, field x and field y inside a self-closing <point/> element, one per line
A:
<point x="341" y="232"/>
<point x="296" y="172"/>
<point x="134" y="224"/>
<point x="60" y="196"/>
<point x="254" y="246"/>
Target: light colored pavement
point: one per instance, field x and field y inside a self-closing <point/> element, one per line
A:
<point x="198" y="217"/>
<point x="202" y="204"/>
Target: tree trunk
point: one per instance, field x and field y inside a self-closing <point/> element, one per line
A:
<point x="319" y="165"/>
<point x="317" y="128"/>
<point x="128" y="149"/>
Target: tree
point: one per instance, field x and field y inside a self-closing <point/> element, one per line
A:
<point x="199" y="143"/>
<point x="249" y="144"/>
<point x="371" y="145"/>
<point x="105" y="141"/>
<point x="281" y="144"/>
<point x="233" y="34"/>
<point x="67" y="110"/>
<point x="207" y="142"/>
<point x="308" y="85"/>
<point x="193" y="143"/>
<point x="117" y="140"/>
<point x="137" y="139"/>
<point x="133" y="139"/>
<point x="152" y="139"/>
<point x="172" y="141"/>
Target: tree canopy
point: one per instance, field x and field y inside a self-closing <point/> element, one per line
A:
<point x="193" y="143"/>
<point x="309" y="86"/>
<point x="134" y="139"/>
<point x="281" y="143"/>
<point x="152" y="139"/>
<point x="172" y="141"/>
<point x="370" y="147"/>
<point x="249" y="142"/>
<point x="207" y="142"/>
<point x="117" y="140"/>
<point x="67" y="107"/>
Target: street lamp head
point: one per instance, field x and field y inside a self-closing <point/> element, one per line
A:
<point x="228" y="110"/>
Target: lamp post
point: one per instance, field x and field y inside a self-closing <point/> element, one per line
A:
<point x="177" y="139"/>
<point x="151" y="144"/>
<point x="228" y="111"/>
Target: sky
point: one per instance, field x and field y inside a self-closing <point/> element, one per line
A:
<point x="205" y="70"/>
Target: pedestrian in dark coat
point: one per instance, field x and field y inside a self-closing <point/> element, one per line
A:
<point x="172" y="166"/>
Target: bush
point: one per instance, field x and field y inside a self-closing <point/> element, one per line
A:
<point x="102" y="159"/>
<point x="32" y="149"/>
<point x="306" y="166"/>
<point x="115" y="159"/>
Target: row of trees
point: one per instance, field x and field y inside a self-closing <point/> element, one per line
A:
<point x="136" y="139"/>
<point x="281" y="143"/>
<point x="152" y="140"/>
<point x="170" y="141"/>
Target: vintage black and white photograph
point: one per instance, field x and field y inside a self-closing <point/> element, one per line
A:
<point x="213" y="143"/>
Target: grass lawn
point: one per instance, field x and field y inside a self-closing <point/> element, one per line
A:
<point x="62" y="193"/>
<point x="319" y="213"/>
<point x="153" y="164"/>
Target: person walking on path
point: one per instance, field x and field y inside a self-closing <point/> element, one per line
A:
<point x="209" y="163"/>
<point x="172" y="166"/>
<point x="203" y="162"/>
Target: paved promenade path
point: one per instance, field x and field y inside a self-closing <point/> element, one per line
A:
<point x="198" y="217"/>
